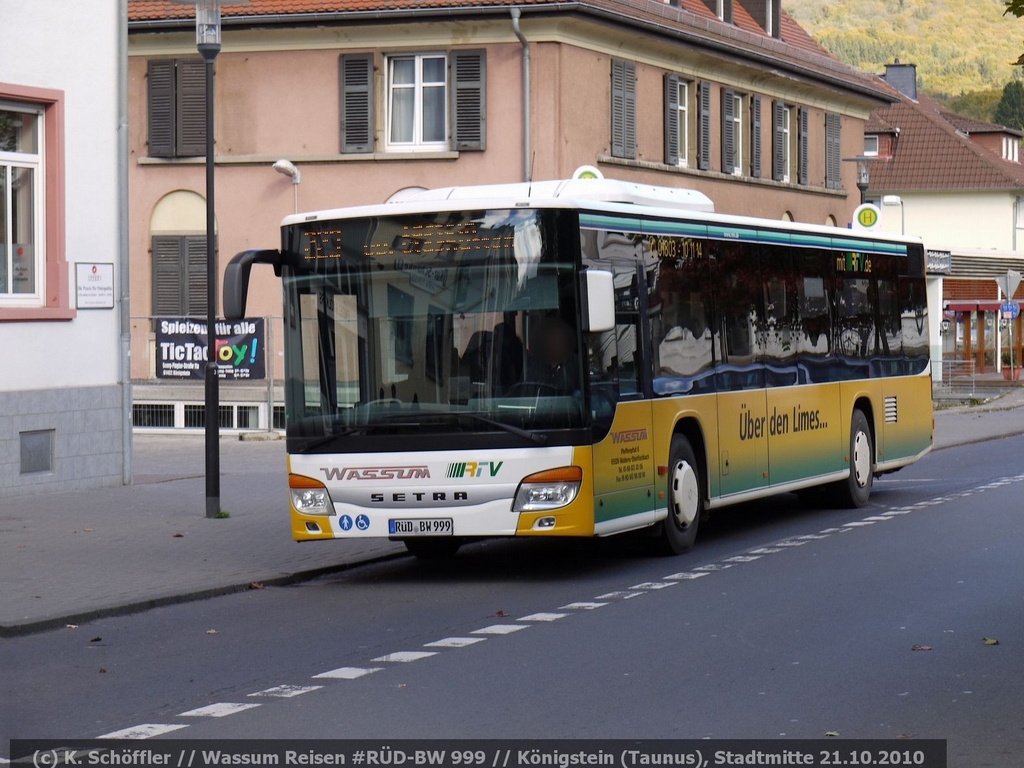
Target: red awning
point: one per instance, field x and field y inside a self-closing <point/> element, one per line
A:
<point x="973" y="306"/>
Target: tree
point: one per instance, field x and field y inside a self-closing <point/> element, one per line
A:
<point x="1010" y="109"/>
<point x="1016" y="7"/>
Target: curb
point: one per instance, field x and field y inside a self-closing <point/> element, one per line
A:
<point x="36" y="626"/>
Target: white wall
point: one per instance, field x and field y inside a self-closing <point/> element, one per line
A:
<point x="952" y="220"/>
<point x="71" y="46"/>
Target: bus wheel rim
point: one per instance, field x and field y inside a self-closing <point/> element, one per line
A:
<point x="861" y="459"/>
<point x="685" y="494"/>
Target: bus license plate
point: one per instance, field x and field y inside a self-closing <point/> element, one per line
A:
<point x="439" y="526"/>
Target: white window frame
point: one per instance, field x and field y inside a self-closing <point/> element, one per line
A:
<point x="683" y="96"/>
<point x="33" y="162"/>
<point x="737" y="134"/>
<point x="1011" y="148"/>
<point x="417" y="144"/>
<point x="870" y="145"/>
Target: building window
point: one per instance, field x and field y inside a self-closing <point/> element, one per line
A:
<point x="871" y="146"/>
<point x="1011" y="147"/>
<point x="732" y="133"/>
<point x="177" y="107"/>
<point x="833" y="151"/>
<point x="21" y="210"/>
<point x="781" y="141"/>
<point x="677" y="121"/>
<point x="179" y="275"/>
<point x="755" y="136"/>
<point x="417" y="102"/>
<point x="623" y="109"/>
<point x="433" y="102"/>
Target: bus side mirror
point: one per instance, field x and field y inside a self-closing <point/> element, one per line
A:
<point x="598" y="294"/>
<point x="236" y="279"/>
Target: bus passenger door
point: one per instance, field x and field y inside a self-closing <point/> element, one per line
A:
<point x="739" y="368"/>
<point x="623" y="459"/>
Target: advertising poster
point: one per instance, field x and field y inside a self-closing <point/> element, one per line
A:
<point x="181" y="348"/>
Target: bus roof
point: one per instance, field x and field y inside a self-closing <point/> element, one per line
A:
<point x="603" y="195"/>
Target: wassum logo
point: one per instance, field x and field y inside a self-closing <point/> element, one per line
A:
<point x="376" y="473"/>
<point x="629" y="436"/>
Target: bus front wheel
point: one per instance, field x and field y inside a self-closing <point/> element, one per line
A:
<point x="854" y="491"/>
<point x="685" y="499"/>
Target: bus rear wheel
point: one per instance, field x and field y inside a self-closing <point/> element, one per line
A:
<point x="685" y="499"/>
<point x="854" y="491"/>
<point x="433" y="548"/>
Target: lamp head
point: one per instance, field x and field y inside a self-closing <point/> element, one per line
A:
<point x="288" y="169"/>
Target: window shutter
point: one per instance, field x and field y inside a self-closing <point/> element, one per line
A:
<point x="728" y="132"/>
<point x="195" y="275"/>
<point x="630" y="110"/>
<point x="704" y="122"/>
<point x="671" y="119"/>
<point x="191" y="108"/>
<point x="160" y="77"/>
<point x="356" y="103"/>
<point x="166" y="276"/>
<point x="623" y="109"/>
<point x="469" y="100"/>
<point x="832" y="151"/>
<point x="778" y="140"/>
<point x="755" y="136"/>
<point x="803" y="172"/>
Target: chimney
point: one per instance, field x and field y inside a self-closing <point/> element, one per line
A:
<point x="902" y="77"/>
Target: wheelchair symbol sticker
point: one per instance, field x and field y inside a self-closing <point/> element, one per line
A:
<point x="362" y="522"/>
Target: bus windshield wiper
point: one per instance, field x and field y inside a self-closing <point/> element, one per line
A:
<point x="539" y="439"/>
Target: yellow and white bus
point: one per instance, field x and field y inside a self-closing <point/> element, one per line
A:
<point x="585" y="357"/>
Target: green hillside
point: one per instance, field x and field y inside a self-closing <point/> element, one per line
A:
<point x="959" y="46"/>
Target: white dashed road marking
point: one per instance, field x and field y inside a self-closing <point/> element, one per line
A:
<point x="499" y="629"/>
<point x="582" y="606"/>
<point x="144" y="731"/>
<point x="454" y="642"/>
<point x="347" y="673"/>
<point x="543" y="617"/>
<point x="405" y="656"/>
<point x="287" y="691"/>
<point x="221" y="709"/>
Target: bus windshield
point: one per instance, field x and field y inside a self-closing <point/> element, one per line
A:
<point x="424" y="325"/>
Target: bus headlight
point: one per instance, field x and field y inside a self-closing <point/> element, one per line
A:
<point x="309" y="496"/>
<point x="551" y="489"/>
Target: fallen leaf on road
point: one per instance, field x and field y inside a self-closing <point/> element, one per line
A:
<point x="177" y="535"/>
<point x="256" y="585"/>
<point x="920" y="647"/>
<point x="832" y="734"/>
<point x="96" y="639"/>
<point x="211" y="631"/>
<point x="501" y="614"/>
<point x="87" y="530"/>
<point x="990" y="641"/>
<point x="103" y="671"/>
<point x="70" y="626"/>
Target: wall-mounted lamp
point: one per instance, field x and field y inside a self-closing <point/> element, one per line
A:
<point x="287" y="167"/>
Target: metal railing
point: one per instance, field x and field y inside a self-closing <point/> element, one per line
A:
<point x="957" y="375"/>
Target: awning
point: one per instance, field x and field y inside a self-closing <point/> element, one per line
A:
<point x="973" y="306"/>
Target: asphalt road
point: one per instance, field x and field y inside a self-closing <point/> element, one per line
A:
<point x="785" y="621"/>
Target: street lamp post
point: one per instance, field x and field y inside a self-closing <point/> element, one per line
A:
<point x="863" y="173"/>
<point x="208" y="43"/>
<point x="897" y="200"/>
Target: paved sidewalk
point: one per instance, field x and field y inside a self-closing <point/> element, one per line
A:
<point x="66" y="558"/>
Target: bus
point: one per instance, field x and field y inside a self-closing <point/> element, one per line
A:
<point x="584" y="358"/>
